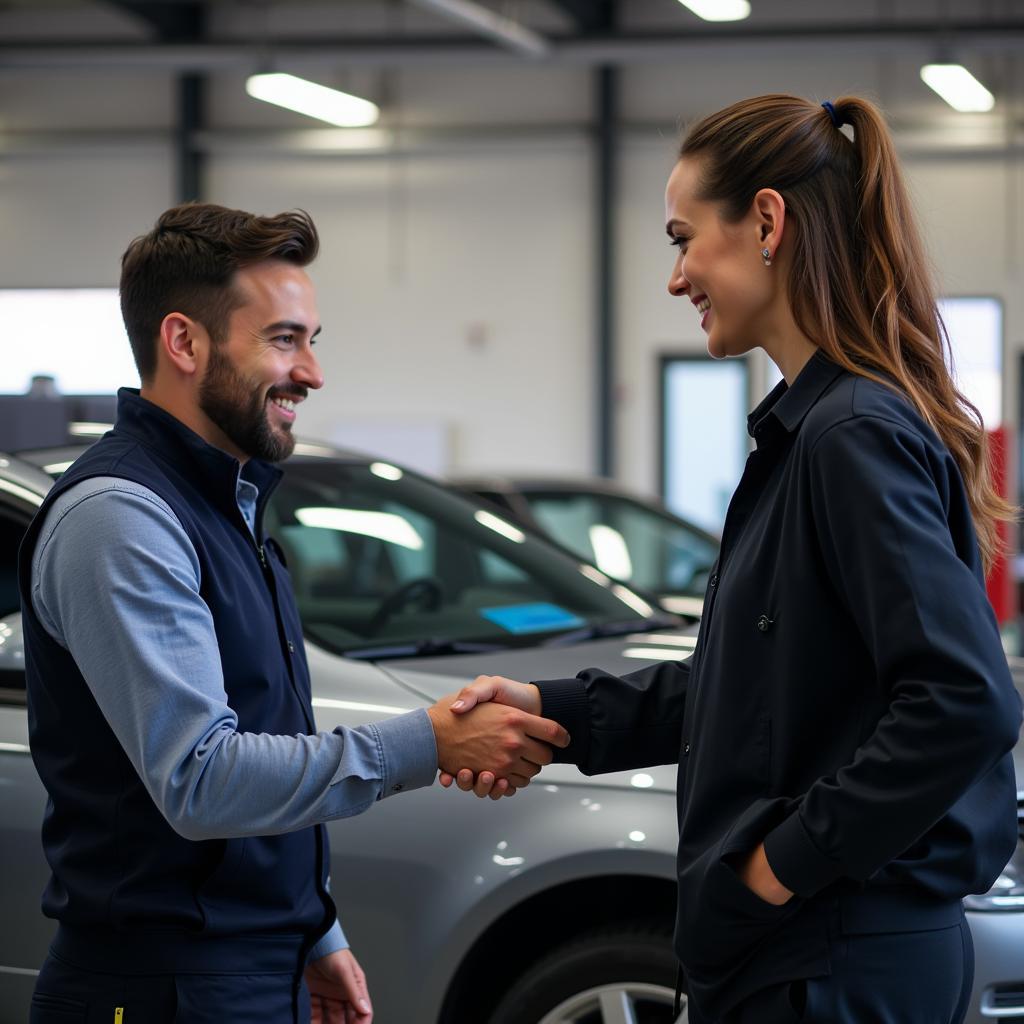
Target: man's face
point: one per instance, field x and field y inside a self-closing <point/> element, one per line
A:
<point x="265" y="366"/>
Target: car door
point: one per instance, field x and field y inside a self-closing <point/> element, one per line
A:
<point x="26" y="934"/>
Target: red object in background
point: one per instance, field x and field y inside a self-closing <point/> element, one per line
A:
<point x="1000" y="583"/>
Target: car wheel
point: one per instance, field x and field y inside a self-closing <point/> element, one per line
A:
<point x="607" y="976"/>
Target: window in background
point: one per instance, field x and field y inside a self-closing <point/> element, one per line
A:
<point x="975" y="329"/>
<point x="704" y="406"/>
<point x="74" y="335"/>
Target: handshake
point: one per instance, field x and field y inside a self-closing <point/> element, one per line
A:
<point x="490" y="737"/>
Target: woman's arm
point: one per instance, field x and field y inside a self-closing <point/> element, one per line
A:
<point x="883" y="503"/>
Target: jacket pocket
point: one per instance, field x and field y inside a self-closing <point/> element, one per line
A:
<point x="721" y="921"/>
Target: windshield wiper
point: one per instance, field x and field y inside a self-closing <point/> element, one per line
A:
<point x="421" y="649"/>
<point x="602" y="630"/>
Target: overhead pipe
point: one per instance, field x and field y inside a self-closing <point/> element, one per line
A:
<point x="511" y="34"/>
<point x="705" y="44"/>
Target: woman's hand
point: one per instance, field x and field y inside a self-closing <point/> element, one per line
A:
<point x="756" y="874"/>
<point x="524" y="696"/>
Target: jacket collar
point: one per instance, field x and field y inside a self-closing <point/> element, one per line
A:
<point x="786" y="406"/>
<point x="214" y="470"/>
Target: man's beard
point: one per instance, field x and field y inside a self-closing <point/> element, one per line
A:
<point x="239" y="409"/>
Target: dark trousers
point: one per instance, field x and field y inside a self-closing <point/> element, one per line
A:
<point x="891" y="978"/>
<point x="65" y="994"/>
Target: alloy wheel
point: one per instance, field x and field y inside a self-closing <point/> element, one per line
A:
<point x="623" y="1003"/>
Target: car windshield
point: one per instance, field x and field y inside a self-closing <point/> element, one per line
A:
<point x="628" y="540"/>
<point x="384" y="558"/>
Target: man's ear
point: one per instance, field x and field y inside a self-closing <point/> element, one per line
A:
<point x="182" y="343"/>
<point x="769" y="209"/>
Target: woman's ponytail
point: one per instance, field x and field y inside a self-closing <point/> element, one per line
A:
<point x="861" y="286"/>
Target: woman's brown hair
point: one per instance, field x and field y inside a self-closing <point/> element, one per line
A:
<point x="861" y="287"/>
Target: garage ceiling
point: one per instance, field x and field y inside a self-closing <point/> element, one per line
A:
<point x="211" y="35"/>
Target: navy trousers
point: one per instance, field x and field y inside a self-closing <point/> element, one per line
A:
<point x="65" y="994"/>
<point x="890" y="978"/>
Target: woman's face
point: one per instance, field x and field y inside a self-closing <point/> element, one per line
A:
<point x="718" y="266"/>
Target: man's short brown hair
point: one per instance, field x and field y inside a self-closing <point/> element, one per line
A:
<point x="186" y="264"/>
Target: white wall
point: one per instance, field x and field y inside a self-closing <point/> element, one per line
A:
<point x="456" y="282"/>
<point x="971" y="212"/>
<point x="452" y="289"/>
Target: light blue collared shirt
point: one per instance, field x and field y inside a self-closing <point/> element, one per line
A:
<point x="116" y="581"/>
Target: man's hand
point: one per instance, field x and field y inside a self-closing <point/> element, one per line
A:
<point x="337" y="990"/>
<point x="500" y="690"/>
<point x="505" y="741"/>
<point x="756" y="874"/>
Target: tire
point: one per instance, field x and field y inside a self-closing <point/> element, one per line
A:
<point x="620" y="975"/>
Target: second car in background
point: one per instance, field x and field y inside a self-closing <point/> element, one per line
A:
<point x="633" y="539"/>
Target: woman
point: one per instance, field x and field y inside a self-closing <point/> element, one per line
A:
<point x="843" y="728"/>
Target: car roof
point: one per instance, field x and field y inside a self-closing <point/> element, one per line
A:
<point x="23" y="479"/>
<point x="53" y="459"/>
<point x="525" y="485"/>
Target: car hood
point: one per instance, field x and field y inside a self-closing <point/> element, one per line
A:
<point x="435" y="677"/>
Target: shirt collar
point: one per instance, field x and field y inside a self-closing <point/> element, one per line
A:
<point x="216" y="470"/>
<point x="785" y="406"/>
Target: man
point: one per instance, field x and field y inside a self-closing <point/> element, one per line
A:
<point x="169" y="697"/>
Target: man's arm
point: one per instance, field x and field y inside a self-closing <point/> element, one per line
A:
<point x="116" y="581"/>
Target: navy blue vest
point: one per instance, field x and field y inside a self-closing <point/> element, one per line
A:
<point x="129" y="892"/>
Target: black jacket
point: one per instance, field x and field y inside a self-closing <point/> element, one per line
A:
<point x="848" y="701"/>
<point x="126" y="888"/>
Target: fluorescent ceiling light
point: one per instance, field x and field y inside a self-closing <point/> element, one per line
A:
<point x="655" y="654"/>
<point x="958" y="87"/>
<point x="305" y="97"/>
<point x="21" y="492"/>
<point x="719" y="10"/>
<point x="386" y="471"/>
<point x="610" y="551"/>
<point x="635" y="601"/>
<point x="385" y="526"/>
<point x="592" y="574"/>
<point x="498" y="525"/>
<point x="681" y="605"/>
<point x="485" y="21"/>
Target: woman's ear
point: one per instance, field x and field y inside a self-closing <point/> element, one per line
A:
<point x="769" y="210"/>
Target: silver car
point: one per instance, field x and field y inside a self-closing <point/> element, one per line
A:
<point x="555" y="907"/>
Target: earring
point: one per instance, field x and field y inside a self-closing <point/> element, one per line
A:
<point x="766" y="256"/>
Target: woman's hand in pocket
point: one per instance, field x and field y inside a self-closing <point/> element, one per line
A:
<point x="756" y="874"/>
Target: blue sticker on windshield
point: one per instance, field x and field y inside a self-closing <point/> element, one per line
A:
<point x="532" y="618"/>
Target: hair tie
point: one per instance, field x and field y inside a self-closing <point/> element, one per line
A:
<point x="832" y="113"/>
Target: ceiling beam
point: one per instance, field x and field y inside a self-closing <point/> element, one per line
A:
<point x="857" y="38"/>
<point x="589" y="16"/>
<point x="181" y="22"/>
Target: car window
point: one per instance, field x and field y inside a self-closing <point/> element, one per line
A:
<point x="376" y="559"/>
<point x="12" y="529"/>
<point x="628" y="540"/>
